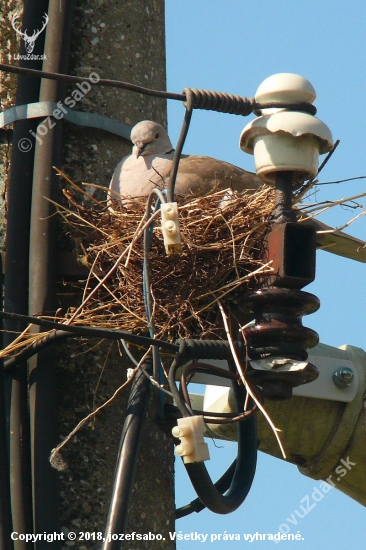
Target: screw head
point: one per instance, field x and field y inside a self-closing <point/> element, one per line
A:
<point x="343" y="377"/>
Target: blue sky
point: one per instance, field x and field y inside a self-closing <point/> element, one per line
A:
<point x="233" y="46"/>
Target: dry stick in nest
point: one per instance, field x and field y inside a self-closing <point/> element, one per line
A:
<point x="18" y="343"/>
<point x="195" y="206"/>
<point x="132" y="300"/>
<point x="210" y="205"/>
<point x="137" y="235"/>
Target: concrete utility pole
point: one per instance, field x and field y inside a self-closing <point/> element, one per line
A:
<point x="124" y="41"/>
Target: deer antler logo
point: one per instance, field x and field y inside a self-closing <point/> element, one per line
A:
<point x="29" y="40"/>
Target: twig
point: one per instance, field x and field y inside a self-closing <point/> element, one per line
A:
<point x="113" y="268"/>
<point x="63" y="175"/>
<point x="338" y="202"/>
<point x="247" y="386"/>
<point x="341" y="227"/>
<point x="54" y="459"/>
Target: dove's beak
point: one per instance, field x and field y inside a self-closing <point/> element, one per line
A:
<point x="140" y="148"/>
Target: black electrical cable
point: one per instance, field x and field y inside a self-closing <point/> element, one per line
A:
<point x="16" y="277"/>
<point x="101" y="82"/>
<point x="203" y="99"/>
<point x="147" y="276"/>
<point x="183" y="407"/>
<point x="127" y="457"/>
<point x="247" y="438"/>
<point x="180" y="144"/>
<point x="5" y="509"/>
<point x="218" y="418"/>
<point x="196" y="349"/>
<point x="91" y="332"/>
<point x="191" y="368"/>
<point x="196" y="505"/>
<point x="47" y="340"/>
<point x="242" y="478"/>
<point x="42" y="275"/>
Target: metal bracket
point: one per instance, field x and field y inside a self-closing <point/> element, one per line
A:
<point x="292" y="248"/>
<point x="321" y="388"/>
<point x="44" y="109"/>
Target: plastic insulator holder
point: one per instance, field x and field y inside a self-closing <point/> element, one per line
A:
<point x="190" y="431"/>
<point x="170" y="228"/>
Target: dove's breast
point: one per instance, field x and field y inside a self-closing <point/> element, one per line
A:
<point x="135" y="177"/>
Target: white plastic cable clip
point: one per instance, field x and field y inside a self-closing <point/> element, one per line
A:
<point x="170" y="228"/>
<point x="190" y="431"/>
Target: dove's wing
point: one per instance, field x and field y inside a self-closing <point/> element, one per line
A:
<point x="199" y="175"/>
<point x="137" y="176"/>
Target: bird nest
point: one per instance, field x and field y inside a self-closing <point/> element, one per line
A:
<point x="222" y="240"/>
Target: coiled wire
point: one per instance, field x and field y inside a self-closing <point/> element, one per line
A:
<point x="221" y="102"/>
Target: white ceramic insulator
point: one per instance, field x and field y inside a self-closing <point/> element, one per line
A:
<point x="286" y="139"/>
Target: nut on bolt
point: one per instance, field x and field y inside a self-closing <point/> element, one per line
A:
<point x="343" y="377"/>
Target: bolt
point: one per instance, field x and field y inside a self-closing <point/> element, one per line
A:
<point x="283" y="211"/>
<point x="343" y="377"/>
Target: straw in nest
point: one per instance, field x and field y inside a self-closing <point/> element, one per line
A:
<point x="222" y="238"/>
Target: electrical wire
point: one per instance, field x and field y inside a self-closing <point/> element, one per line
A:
<point x="42" y="375"/>
<point x="196" y="505"/>
<point x="156" y="383"/>
<point x="128" y="353"/>
<point x="218" y="418"/>
<point x="245" y="467"/>
<point x="182" y="138"/>
<point x="244" y="472"/>
<point x="127" y="457"/>
<point x="100" y="82"/>
<point x="148" y="298"/>
<point x="35" y="347"/>
<point x="158" y="373"/>
<point x="203" y="367"/>
<point x="203" y="99"/>
<point x="5" y="507"/>
<point x="200" y="349"/>
<point x="149" y="376"/>
<point x="92" y="332"/>
<point x="19" y="195"/>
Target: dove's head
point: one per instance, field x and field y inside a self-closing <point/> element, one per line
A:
<point x="150" y="138"/>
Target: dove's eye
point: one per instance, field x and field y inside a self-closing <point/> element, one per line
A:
<point x="157" y="135"/>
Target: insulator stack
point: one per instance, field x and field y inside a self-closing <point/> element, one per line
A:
<point x="278" y="332"/>
<point x="278" y="328"/>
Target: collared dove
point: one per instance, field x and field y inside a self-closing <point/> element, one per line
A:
<point x="149" y="166"/>
<point x="150" y="163"/>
